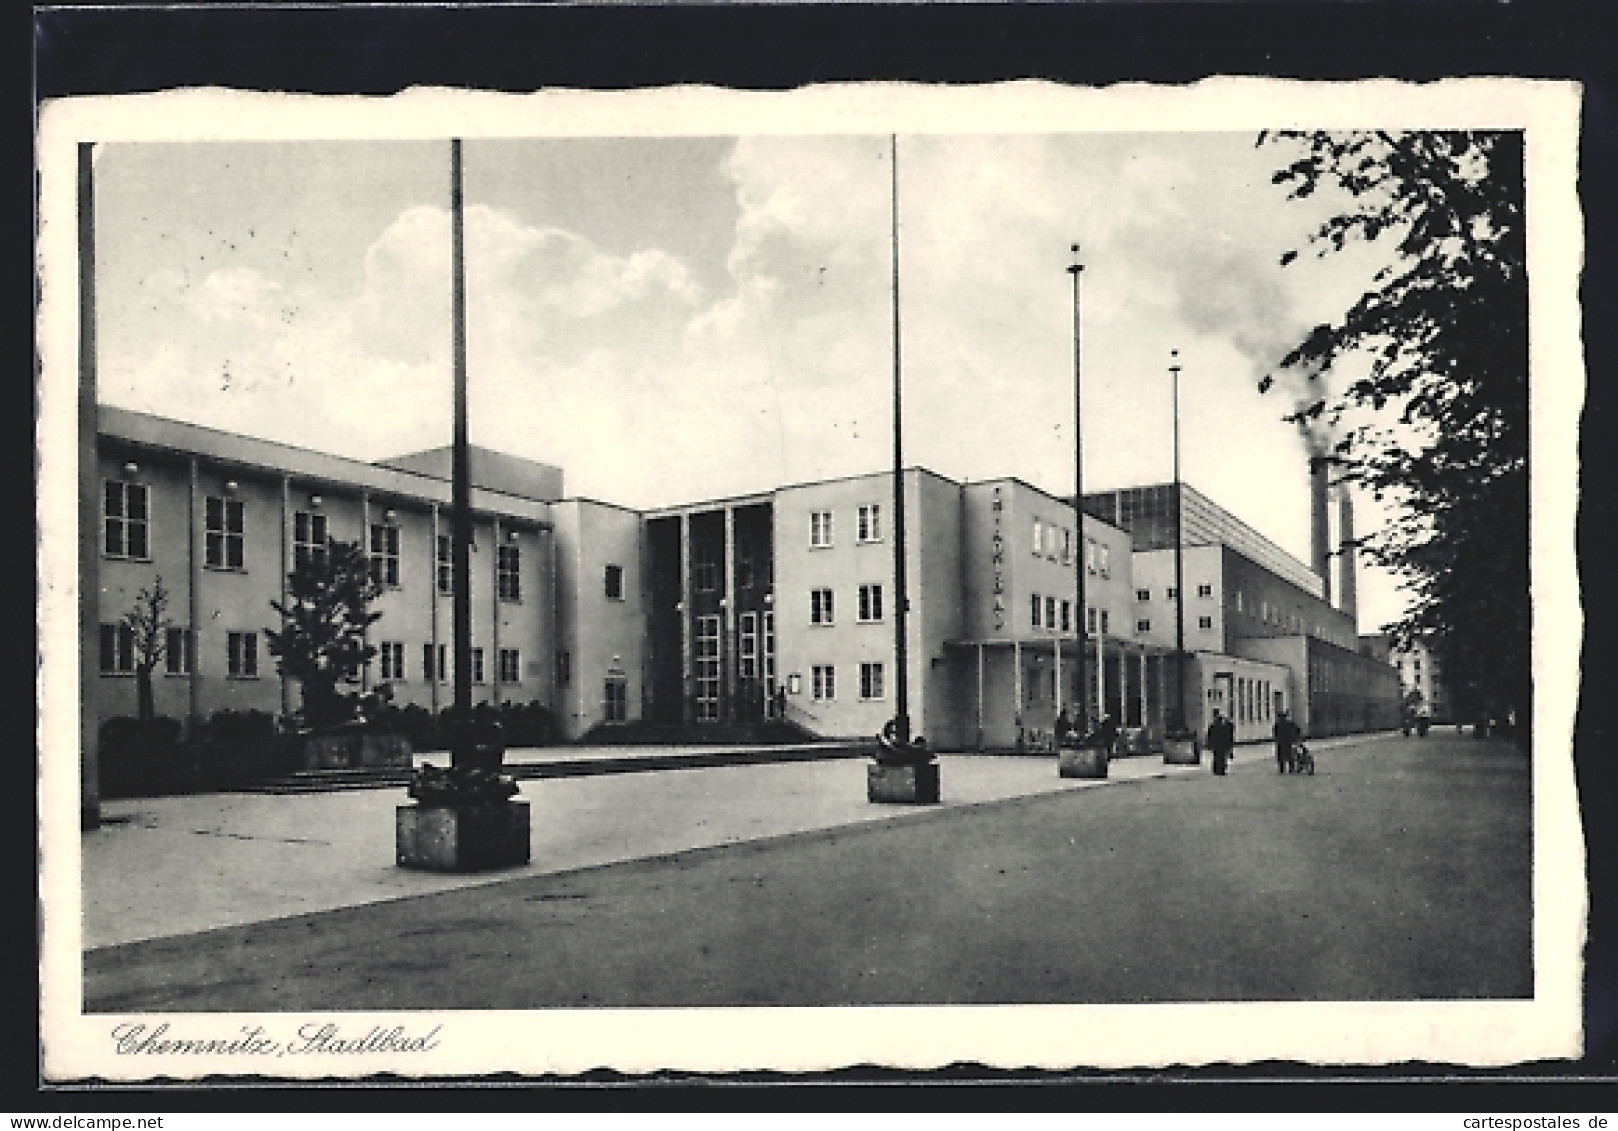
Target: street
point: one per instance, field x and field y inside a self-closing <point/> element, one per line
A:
<point x="1400" y="871"/>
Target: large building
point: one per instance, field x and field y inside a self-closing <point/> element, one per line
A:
<point x="1247" y="600"/>
<point x="774" y="605"/>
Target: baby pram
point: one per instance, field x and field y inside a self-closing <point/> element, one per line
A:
<point x="1301" y="762"/>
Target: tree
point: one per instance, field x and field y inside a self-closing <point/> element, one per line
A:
<point x="1433" y="413"/>
<point x="321" y="643"/>
<point x="148" y="626"/>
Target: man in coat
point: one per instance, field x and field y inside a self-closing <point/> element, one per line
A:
<point x="1286" y="737"/>
<point x="1221" y="740"/>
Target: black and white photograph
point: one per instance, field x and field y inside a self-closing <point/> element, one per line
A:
<point x="876" y="574"/>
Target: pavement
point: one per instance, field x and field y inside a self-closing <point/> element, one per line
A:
<point x="1401" y="871"/>
<point x="167" y="866"/>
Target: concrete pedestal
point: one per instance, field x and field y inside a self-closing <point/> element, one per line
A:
<point x="903" y="785"/>
<point x="1081" y="762"/>
<point x="463" y="838"/>
<point x="1181" y="750"/>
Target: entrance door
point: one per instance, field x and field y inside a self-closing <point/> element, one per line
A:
<point x="706" y="668"/>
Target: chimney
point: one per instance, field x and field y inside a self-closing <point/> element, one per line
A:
<point x="1347" y="582"/>
<point x="1320" y="556"/>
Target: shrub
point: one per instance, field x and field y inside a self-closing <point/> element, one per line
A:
<point x="236" y="726"/>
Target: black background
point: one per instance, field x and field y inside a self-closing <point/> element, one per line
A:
<point x="353" y="50"/>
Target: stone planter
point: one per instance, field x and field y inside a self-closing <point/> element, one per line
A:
<point x="902" y="785"/>
<point x="1181" y="750"/>
<point x="462" y="838"/>
<point x="346" y="751"/>
<point x="1082" y="762"/>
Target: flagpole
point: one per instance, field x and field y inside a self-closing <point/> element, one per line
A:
<point x="901" y="602"/>
<point x="461" y="490"/>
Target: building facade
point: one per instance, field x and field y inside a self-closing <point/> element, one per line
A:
<point x="777" y="605"/>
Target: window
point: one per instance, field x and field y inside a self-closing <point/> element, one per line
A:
<point x="823" y="678"/>
<point x="1067" y="616"/>
<point x="819" y="529"/>
<point x="177" y="653"/>
<point x="308" y="539"/>
<point x="705" y="567"/>
<point x="706" y="647"/>
<point x="1143" y="626"/>
<point x="446" y="564"/>
<point x="510" y="665"/>
<point x="613" y="580"/>
<point x="117" y="649"/>
<point x="1039" y="538"/>
<point x="1171" y="592"/>
<point x="477" y="665"/>
<point x="747" y="634"/>
<point x="1034" y="607"/>
<point x="1205" y="591"/>
<point x="391" y="653"/>
<point x="870" y="523"/>
<point x="1106" y="622"/>
<point x="744" y="564"/>
<point x="1143" y="594"/>
<point x="1090" y="620"/>
<point x="1240" y="601"/>
<point x="1105" y="553"/>
<point x="508" y="572"/>
<point x="820" y="606"/>
<point x="126" y="519"/>
<point x="1205" y="623"/>
<point x="871" y="680"/>
<point x="1090" y="555"/>
<point x="241" y="661"/>
<point x="385" y="554"/>
<point x="224" y="521"/>
<point x="1067" y="546"/>
<point x="870" y="603"/>
<point x="1050" y="612"/>
<point x="617" y="699"/>
<point x="428" y="668"/>
<point x="564" y="668"/>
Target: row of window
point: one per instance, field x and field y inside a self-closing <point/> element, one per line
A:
<point x="823" y="681"/>
<point x="1044" y="610"/>
<point x="1169" y="593"/>
<point x="118" y="656"/>
<point x="126" y="522"/>
<point x="1204" y="624"/>
<point x="868" y="526"/>
<point x="823" y="605"/>
<point x="119" y="652"/>
<point x="1055" y="543"/>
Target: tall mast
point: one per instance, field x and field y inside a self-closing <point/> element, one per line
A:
<point x="1080" y="556"/>
<point x="1177" y="716"/>
<point x="901" y="601"/>
<point x="461" y="496"/>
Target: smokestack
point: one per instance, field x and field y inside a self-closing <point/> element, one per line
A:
<point x="1320" y="546"/>
<point x="1347" y="582"/>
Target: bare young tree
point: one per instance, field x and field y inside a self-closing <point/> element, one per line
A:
<point x="148" y="624"/>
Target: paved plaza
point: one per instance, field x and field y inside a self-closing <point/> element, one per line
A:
<point x="1402" y="870"/>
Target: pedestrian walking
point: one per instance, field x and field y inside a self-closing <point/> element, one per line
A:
<point x="1221" y="740"/>
<point x="1063" y="728"/>
<point x="1286" y="736"/>
<point x="1109" y="733"/>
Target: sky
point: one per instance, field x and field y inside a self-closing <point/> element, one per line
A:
<point x="674" y="319"/>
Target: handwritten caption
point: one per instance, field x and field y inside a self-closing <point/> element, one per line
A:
<point x="317" y="1038"/>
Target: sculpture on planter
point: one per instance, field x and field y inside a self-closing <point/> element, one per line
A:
<point x="892" y="752"/>
<point x="477" y="743"/>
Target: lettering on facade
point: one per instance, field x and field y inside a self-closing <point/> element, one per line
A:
<point x="998" y="545"/>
